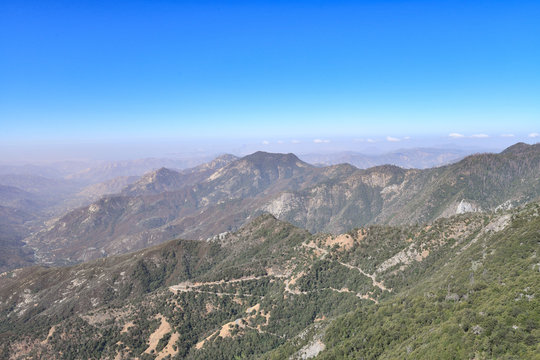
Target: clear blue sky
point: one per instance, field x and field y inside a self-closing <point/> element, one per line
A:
<point x="106" y="70"/>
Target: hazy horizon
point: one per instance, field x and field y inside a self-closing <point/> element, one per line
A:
<point x="93" y="80"/>
<point x="43" y="154"/>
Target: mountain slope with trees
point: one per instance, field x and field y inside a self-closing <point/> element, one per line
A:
<point x="464" y="286"/>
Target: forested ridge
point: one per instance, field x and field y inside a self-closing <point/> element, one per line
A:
<point x="460" y="287"/>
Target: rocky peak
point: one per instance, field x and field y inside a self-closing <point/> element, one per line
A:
<point x="156" y="181"/>
<point x="225" y="158"/>
<point x="163" y="173"/>
<point x="219" y="162"/>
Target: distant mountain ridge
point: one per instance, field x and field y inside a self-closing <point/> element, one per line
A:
<point x="393" y="195"/>
<point x="93" y="171"/>
<point x="164" y="179"/>
<point x="205" y="202"/>
<point x="415" y="158"/>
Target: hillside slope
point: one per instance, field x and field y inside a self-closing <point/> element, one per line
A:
<point x="465" y="286"/>
<point x="479" y="301"/>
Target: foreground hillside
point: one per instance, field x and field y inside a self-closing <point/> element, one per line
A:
<point x="461" y="287"/>
<point x="165" y="204"/>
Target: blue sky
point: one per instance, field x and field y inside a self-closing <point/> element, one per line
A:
<point x="140" y="70"/>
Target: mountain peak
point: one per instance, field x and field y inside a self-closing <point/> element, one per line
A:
<point x="156" y="181"/>
<point x="517" y="148"/>
<point x="226" y="157"/>
<point x="163" y="171"/>
<point x="162" y="174"/>
<point x="219" y="162"/>
<point x="262" y="157"/>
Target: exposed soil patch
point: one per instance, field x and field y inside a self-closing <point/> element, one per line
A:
<point x="164" y="328"/>
<point x="169" y="348"/>
<point x="49" y="335"/>
<point x="126" y="327"/>
<point x="240" y="323"/>
<point x="344" y="241"/>
<point x="209" y="308"/>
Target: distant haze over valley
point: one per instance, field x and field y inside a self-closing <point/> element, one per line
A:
<point x="193" y="151"/>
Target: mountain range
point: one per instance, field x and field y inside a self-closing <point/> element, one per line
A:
<point x="415" y="158"/>
<point x="221" y="196"/>
<point x="269" y="257"/>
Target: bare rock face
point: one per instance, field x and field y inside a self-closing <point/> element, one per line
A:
<point x="465" y="207"/>
<point x="283" y="204"/>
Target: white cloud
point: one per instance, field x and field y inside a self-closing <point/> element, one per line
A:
<point x="392" y="139"/>
<point x="407" y="138"/>
<point x="456" y="135"/>
<point x="266" y="142"/>
<point x="320" y="141"/>
<point x="480" y="136"/>
<point x="533" y="135"/>
<point x="507" y="135"/>
<point x="370" y="140"/>
<point x="295" y="141"/>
